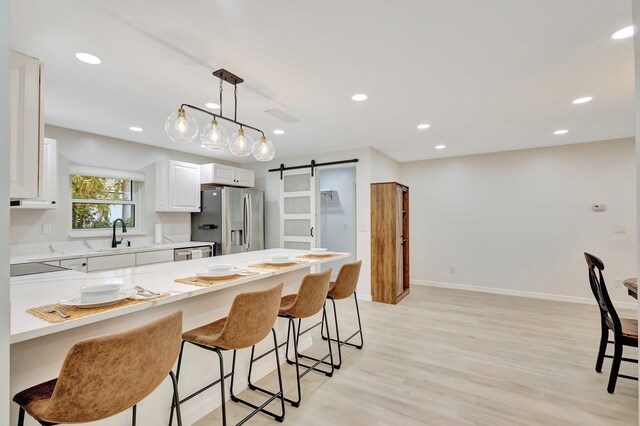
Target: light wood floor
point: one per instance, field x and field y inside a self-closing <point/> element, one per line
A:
<point x="450" y="357"/>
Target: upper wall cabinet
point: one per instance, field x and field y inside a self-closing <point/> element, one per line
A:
<point x="177" y="186"/>
<point x="221" y="174"/>
<point x="48" y="182"/>
<point x="26" y="126"/>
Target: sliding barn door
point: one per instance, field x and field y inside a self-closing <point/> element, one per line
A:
<point x="298" y="210"/>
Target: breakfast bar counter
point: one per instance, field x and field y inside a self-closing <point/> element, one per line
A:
<point x="38" y="347"/>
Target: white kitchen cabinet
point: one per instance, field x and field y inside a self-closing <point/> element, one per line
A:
<point x="48" y="182"/>
<point x="221" y="174"/>
<point x="177" y="186"/>
<point x="26" y="126"/>
<point x="78" y="264"/>
<point x="117" y="261"/>
<point x="149" y="257"/>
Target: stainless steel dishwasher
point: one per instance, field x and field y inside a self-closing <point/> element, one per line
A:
<point x="187" y="253"/>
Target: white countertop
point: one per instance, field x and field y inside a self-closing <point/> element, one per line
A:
<point x="49" y="257"/>
<point x="37" y="290"/>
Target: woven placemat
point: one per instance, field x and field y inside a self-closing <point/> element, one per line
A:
<point x="75" y="313"/>
<point x="318" y="256"/>
<point x="209" y="281"/>
<point x="271" y="267"/>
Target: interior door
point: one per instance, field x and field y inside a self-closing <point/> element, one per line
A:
<point x="298" y="210"/>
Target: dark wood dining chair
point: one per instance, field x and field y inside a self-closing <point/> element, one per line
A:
<point x="625" y="330"/>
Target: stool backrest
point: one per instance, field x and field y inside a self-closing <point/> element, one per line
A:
<point x="311" y="295"/>
<point x="347" y="280"/>
<point x="608" y="313"/>
<point x="251" y="318"/>
<point x="103" y="376"/>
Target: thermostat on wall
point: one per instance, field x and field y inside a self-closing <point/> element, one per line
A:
<point x="598" y="207"/>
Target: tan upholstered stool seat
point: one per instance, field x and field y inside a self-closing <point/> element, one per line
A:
<point x="35" y="400"/>
<point x="286" y="303"/>
<point x="207" y="335"/>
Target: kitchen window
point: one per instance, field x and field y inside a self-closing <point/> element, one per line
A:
<point x="99" y="198"/>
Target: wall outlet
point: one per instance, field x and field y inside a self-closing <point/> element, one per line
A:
<point x="618" y="283"/>
<point x="599" y="207"/>
<point x="452" y="269"/>
<point x="620" y="229"/>
<point x="46" y="228"/>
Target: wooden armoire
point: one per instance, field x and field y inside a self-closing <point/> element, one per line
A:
<point x="389" y="242"/>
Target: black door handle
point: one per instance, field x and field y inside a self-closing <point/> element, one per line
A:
<point x="312" y="231"/>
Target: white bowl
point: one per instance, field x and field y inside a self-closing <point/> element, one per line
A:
<point x="220" y="269"/>
<point x="318" y="250"/>
<point x="99" y="293"/>
<point x="280" y="258"/>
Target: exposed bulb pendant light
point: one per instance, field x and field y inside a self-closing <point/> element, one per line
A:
<point x="183" y="128"/>
<point x="214" y="136"/>
<point x="241" y="143"/>
<point x="264" y="150"/>
<point x="180" y="127"/>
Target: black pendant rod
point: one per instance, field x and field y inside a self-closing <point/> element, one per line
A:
<point x="221" y="117"/>
<point x="311" y="165"/>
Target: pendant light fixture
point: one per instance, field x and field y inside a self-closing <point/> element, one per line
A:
<point x="183" y="128"/>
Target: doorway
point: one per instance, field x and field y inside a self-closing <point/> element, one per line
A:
<point x="336" y="210"/>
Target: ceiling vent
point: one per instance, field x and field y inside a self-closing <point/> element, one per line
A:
<point x="281" y="115"/>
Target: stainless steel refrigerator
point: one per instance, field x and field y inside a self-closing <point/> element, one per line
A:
<point x="233" y="218"/>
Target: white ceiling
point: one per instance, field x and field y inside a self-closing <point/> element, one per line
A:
<point x="488" y="75"/>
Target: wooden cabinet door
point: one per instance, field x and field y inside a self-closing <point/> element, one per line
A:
<point x="25" y="126"/>
<point x="399" y="272"/>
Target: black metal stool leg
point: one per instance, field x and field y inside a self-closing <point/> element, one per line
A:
<point x="21" y="417"/>
<point x="134" y="409"/>
<point x="223" y="399"/>
<point x="318" y="361"/>
<point x="176" y="397"/>
<point x="173" y="405"/>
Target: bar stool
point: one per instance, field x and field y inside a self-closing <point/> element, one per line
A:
<point x="250" y="320"/>
<point x="103" y="376"/>
<point x="344" y="286"/>
<point x="309" y="300"/>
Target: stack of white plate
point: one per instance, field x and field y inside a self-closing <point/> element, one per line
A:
<point x="94" y="296"/>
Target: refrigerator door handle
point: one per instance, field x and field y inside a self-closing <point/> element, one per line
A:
<point x="244" y="220"/>
<point x="249" y="221"/>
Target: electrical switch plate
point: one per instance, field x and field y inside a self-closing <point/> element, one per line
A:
<point x="620" y="229"/>
<point x="452" y="269"/>
<point x="618" y="283"/>
<point x="46" y="228"/>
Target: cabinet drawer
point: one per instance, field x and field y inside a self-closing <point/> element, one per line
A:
<point x="117" y="261"/>
<point x="149" y="257"/>
<point x="79" y="264"/>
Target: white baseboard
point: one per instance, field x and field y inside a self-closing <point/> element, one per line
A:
<point x="365" y="297"/>
<point x="518" y="293"/>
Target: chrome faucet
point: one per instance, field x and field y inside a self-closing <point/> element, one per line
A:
<point x="114" y="242"/>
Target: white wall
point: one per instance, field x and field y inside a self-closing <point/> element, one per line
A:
<point x="5" y="305"/>
<point x="337" y="221"/>
<point x="86" y="148"/>
<point x="521" y="220"/>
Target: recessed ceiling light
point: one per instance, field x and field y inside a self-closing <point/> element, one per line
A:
<point x="278" y="132"/>
<point x="212" y="105"/>
<point x="88" y="58"/>
<point x="135" y="129"/>
<point x="423" y="126"/>
<point x="440" y="146"/>
<point x="625" y="32"/>
<point x="582" y="100"/>
<point x="560" y="132"/>
<point x="359" y="97"/>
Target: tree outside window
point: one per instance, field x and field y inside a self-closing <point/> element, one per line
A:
<point x="98" y="201"/>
